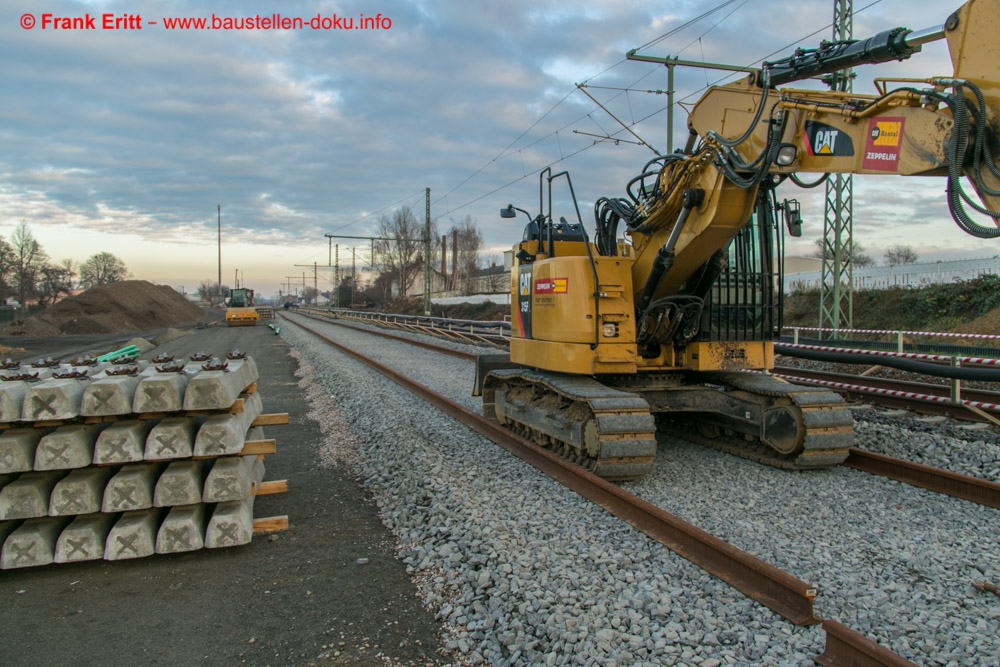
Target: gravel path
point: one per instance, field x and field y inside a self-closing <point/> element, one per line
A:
<point x="523" y="571"/>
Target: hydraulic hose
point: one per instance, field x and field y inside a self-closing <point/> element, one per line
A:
<point x="909" y="365"/>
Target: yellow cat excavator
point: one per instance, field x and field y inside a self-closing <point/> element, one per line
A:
<point x="618" y="335"/>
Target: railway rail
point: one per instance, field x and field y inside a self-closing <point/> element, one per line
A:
<point x="941" y="481"/>
<point x="974" y="405"/>
<point x="953" y="400"/>
<point x="779" y="591"/>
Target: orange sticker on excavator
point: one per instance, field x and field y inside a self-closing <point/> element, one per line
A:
<point x="885" y="137"/>
<point x="551" y="286"/>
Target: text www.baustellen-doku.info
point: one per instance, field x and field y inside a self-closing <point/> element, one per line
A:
<point x="49" y="21"/>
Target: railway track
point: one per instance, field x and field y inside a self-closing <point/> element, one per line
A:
<point x="922" y="397"/>
<point x="941" y="481"/>
<point x="779" y="591"/>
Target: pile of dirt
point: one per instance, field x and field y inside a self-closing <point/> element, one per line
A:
<point x="988" y="323"/>
<point x="133" y="305"/>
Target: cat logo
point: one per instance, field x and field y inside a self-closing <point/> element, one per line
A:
<point x="525" y="280"/>
<point x="826" y="141"/>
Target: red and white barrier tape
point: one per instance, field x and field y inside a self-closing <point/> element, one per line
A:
<point x="977" y="361"/>
<point x="905" y="333"/>
<point x="929" y="398"/>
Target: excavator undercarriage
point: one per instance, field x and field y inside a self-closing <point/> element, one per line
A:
<point x="609" y="426"/>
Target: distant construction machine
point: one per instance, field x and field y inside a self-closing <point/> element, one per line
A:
<point x="240" y="310"/>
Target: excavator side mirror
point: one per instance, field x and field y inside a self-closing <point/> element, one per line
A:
<point x="793" y="217"/>
<point x="508" y="212"/>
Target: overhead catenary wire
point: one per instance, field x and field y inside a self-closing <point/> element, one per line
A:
<point x="550" y="164"/>
<point x="387" y="206"/>
<point x="505" y="150"/>
<point x="510" y="149"/>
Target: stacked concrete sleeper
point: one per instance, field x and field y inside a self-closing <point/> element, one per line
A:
<point x="124" y="461"/>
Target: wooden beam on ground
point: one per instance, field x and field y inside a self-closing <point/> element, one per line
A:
<point x="275" y="419"/>
<point x="273" y="487"/>
<point x="982" y="413"/>
<point x="250" y="448"/>
<point x="259" y="447"/>
<point x="271" y="524"/>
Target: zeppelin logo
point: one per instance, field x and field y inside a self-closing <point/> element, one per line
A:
<point x="885" y="136"/>
<point x="551" y="286"/>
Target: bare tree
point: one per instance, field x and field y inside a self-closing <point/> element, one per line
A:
<point x="398" y="256"/>
<point x="54" y="280"/>
<point x="71" y="268"/>
<point x="345" y="291"/>
<point x="498" y="282"/>
<point x="27" y="259"/>
<point x="208" y="290"/>
<point x="469" y="246"/>
<point x="6" y="268"/>
<point x="900" y="254"/>
<point x="855" y="253"/>
<point x="103" y="269"/>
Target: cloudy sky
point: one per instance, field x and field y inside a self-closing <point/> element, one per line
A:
<point x="128" y="140"/>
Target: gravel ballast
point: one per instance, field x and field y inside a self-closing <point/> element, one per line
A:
<point x="523" y="571"/>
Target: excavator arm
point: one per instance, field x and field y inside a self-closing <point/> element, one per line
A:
<point x="749" y="132"/>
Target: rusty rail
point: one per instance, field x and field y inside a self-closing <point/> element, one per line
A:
<point x="847" y="647"/>
<point x="382" y="334"/>
<point x="939" y="404"/>
<point x="949" y="483"/>
<point x="777" y="590"/>
<point x="946" y="482"/>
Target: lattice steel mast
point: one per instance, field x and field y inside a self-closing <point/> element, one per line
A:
<point x="836" y="303"/>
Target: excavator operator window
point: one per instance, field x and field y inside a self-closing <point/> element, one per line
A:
<point x="530" y="232"/>
<point x="744" y="302"/>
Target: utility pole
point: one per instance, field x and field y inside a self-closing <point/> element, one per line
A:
<point x="315" y="267"/>
<point x="220" y="248"/>
<point x="836" y="292"/>
<point x="672" y="63"/>
<point x="427" y="254"/>
<point x="296" y="279"/>
<point x="372" y="240"/>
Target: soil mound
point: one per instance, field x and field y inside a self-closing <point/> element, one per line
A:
<point x="988" y="323"/>
<point x="132" y="305"/>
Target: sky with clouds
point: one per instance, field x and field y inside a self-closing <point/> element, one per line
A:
<point x="128" y="140"/>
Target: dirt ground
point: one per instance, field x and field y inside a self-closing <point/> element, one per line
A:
<point x="988" y="323"/>
<point x="129" y="306"/>
<point x="327" y="591"/>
